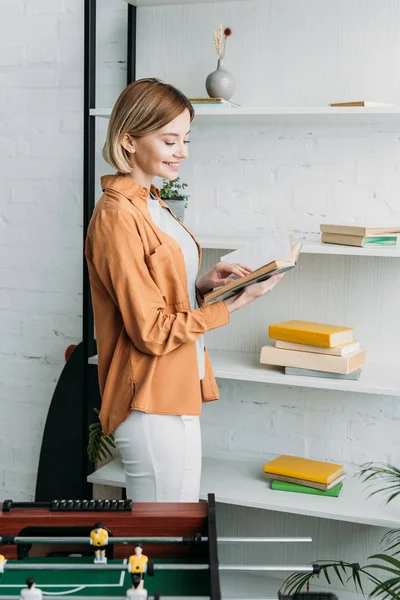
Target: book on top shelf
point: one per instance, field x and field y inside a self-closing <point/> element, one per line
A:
<point x="359" y="240"/>
<point x="214" y="102"/>
<point x="304" y="468"/>
<point x="360" y="230"/>
<point x="309" y="360"/>
<point x="366" y="103"/>
<point x="277" y="250"/>
<point x="287" y="486"/>
<point x="312" y="333"/>
<point x="340" y="350"/>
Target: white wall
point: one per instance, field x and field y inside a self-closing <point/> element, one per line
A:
<point x="257" y="176"/>
<point x="299" y="52"/>
<point x="41" y="74"/>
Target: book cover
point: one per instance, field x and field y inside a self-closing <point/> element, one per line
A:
<point x="307" y="482"/>
<point x="312" y="333"/>
<point x="261" y="274"/>
<point x="213" y="102"/>
<point x="309" y="470"/>
<point x="360" y="230"/>
<point x="309" y="360"/>
<point x="286" y="486"/>
<point x="359" y="240"/>
<point x="366" y="103"/>
<point x="353" y="376"/>
<point x="340" y="350"/>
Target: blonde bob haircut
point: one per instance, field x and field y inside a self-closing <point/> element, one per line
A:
<point x="143" y="107"/>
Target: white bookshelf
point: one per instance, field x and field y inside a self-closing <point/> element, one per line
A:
<point x="285" y="114"/>
<point x="243" y="483"/>
<point x="308" y="246"/>
<point x="247" y="586"/>
<point x="375" y="378"/>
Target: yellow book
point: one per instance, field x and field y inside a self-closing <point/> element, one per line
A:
<point x="304" y="468"/>
<point x="314" y="334"/>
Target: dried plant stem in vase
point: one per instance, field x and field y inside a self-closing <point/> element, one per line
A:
<point x="221" y="83"/>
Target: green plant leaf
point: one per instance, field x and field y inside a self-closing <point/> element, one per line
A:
<point x="338" y="573"/>
<point x="390" y="559"/>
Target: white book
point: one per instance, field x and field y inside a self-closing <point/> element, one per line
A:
<point x="263" y="250"/>
<point x="341" y="350"/>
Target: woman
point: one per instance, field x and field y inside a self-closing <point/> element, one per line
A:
<point x="154" y="370"/>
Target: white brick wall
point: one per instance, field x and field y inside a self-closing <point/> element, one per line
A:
<point x="41" y="75"/>
<point x="242" y="179"/>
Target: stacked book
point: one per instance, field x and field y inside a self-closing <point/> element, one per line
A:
<point x="305" y="476"/>
<point x="314" y="350"/>
<point x="213" y="102"/>
<point x="364" y="237"/>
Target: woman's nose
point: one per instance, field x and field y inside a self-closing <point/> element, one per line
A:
<point x="182" y="151"/>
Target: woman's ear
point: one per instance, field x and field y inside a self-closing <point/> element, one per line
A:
<point x="128" y="143"/>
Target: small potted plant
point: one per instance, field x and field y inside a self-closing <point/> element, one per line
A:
<point x="173" y="193"/>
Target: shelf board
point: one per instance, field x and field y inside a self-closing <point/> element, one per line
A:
<point x="308" y="246"/>
<point x="141" y="3"/>
<point x="243" y="483"/>
<point x="375" y="378"/>
<point x="283" y="114"/>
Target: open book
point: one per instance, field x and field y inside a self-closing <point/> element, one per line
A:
<point x="279" y="265"/>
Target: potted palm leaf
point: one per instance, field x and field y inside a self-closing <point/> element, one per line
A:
<point x="173" y="193"/>
<point x="386" y="564"/>
<point x="100" y="446"/>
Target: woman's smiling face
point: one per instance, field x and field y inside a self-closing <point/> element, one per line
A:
<point x="160" y="153"/>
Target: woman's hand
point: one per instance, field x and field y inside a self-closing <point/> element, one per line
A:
<point x="252" y="292"/>
<point x="219" y="275"/>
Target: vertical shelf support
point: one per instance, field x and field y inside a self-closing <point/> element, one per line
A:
<point x="131" y="49"/>
<point x="89" y="138"/>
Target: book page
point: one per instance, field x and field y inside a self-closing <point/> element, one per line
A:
<point x="273" y="246"/>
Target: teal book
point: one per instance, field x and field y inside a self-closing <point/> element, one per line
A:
<point x="353" y="376"/>
<point x="285" y="486"/>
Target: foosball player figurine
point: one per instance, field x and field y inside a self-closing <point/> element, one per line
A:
<point x="137" y="566"/>
<point x="136" y="593"/>
<point x="99" y="539"/>
<point x="2" y="562"/>
<point x="31" y="592"/>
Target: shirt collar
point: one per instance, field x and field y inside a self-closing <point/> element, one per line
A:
<point x="128" y="187"/>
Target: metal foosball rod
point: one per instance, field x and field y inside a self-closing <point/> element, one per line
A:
<point x="152" y="540"/>
<point x="22" y="566"/>
<point x="49" y="597"/>
<point x="310" y="596"/>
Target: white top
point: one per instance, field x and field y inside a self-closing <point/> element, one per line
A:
<point x="169" y="225"/>
<point x="136" y="594"/>
<point x="31" y="594"/>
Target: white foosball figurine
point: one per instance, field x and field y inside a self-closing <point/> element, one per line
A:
<point x="2" y="562"/>
<point x="99" y="539"/>
<point x="136" y="592"/>
<point x="31" y="592"/>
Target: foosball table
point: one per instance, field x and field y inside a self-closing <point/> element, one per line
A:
<point x="116" y="549"/>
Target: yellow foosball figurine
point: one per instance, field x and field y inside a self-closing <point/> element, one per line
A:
<point x="99" y="539"/>
<point x="137" y="567"/>
<point x="2" y="562"/>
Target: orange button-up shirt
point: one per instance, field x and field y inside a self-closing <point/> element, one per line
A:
<point x="145" y="329"/>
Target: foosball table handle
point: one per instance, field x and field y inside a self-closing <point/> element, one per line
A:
<point x="72" y="505"/>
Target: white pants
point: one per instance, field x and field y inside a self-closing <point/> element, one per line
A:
<point x="161" y="455"/>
